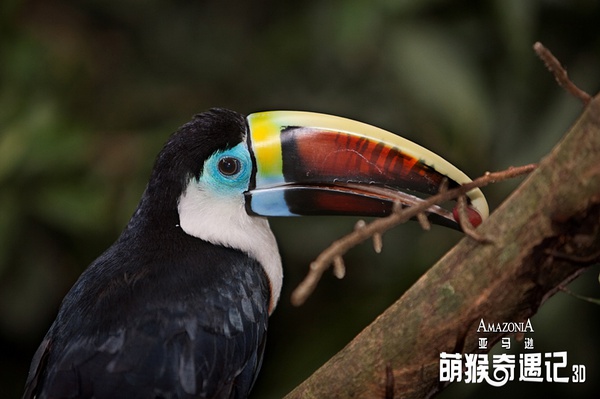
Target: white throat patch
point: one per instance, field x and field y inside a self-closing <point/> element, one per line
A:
<point x="222" y="220"/>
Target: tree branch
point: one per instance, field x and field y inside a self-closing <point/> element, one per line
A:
<point x="557" y="205"/>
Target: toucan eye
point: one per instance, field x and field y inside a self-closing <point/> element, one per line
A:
<point x="229" y="166"/>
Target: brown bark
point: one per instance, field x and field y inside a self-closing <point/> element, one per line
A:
<point x="544" y="235"/>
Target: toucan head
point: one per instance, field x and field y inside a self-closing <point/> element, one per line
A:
<point x="227" y="170"/>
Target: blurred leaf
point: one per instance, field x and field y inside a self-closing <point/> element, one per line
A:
<point x="517" y="22"/>
<point x="8" y="231"/>
<point x="441" y="76"/>
<point x="76" y="208"/>
<point x="40" y="143"/>
<point x="410" y="7"/>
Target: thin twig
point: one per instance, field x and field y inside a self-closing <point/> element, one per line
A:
<point x="560" y="73"/>
<point x="423" y="221"/>
<point x="595" y="301"/>
<point x="584" y="260"/>
<point x="377" y="242"/>
<point x="339" y="269"/>
<point x="400" y="215"/>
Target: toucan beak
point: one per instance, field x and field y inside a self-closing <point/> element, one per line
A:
<point x="315" y="164"/>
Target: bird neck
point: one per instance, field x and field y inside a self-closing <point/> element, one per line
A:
<point x="157" y="220"/>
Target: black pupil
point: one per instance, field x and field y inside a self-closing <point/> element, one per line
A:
<point x="229" y="166"/>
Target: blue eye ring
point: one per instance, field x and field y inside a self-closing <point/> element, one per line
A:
<point x="229" y="166"/>
<point x="227" y="172"/>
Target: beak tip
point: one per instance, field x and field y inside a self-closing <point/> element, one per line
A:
<point x="473" y="215"/>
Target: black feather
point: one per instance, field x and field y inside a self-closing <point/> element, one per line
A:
<point x="161" y="314"/>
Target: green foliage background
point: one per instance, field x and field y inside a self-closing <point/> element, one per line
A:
<point x="89" y="91"/>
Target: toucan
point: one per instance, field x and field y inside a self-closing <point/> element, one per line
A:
<point x="178" y="306"/>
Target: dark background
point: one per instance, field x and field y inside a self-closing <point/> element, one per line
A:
<point x="90" y="90"/>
